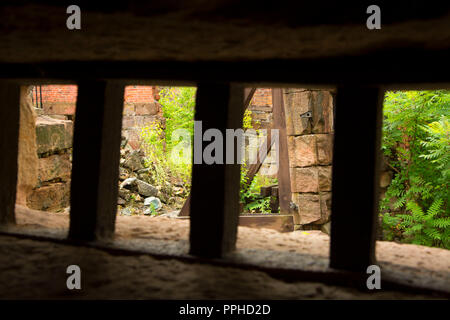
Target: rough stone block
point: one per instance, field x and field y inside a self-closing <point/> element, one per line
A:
<point x="295" y="104"/>
<point x="145" y="121"/>
<point x="322" y="111"/>
<point x="324" y="149"/>
<point x="27" y="157"/>
<point x="53" y="135"/>
<point x="325" y="208"/>
<point x="146" y="108"/>
<point x="128" y="122"/>
<point x="264" y="108"/>
<point x="55" y="167"/>
<point x="308" y="207"/>
<point x="324" y="178"/>
<point x="304" y="179"/>
<point x="128" y="109"/>
<point x="66" y="108"/>
<point x="302" y="151"/>
<point x="53" y="197"/>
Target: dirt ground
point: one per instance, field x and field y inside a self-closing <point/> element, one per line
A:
<point x="32" y="269"/>
<point x="309" y="242"/>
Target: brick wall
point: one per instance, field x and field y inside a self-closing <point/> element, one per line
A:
<point x="141" y="107"/>
<point x="261" y="108"/>
<point x="68" y="94"/>
<point x="262" y="97"/>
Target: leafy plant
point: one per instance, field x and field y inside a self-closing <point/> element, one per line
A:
<point x="178" y="104"/>
<point x="416" y="145"/>
<point x="430" y="228"/>
<point x="250" y="193"/>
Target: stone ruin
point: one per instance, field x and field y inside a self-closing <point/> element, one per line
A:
<point x="310" y="131"/>
<point x="47" y="172"/>
<point x="46" y="135"/>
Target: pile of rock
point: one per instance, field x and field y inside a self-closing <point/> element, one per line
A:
<point x="138" y="192"/>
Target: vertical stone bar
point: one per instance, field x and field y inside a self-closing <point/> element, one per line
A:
<point x="96" y="155"/>
<point x="9" y="149"/>
<point x="214" y="199"/>
<point x="356" y="161"/>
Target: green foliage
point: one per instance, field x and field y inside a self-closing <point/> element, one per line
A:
<point x="416" y="145"/>
<point x="250" y="194"/>
<point x="178" y="104"/>
<point x="429" y="228"/>
<point x="247" y="122"/>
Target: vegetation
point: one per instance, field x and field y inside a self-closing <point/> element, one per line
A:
<point x="250" y="193"/>
<point x="416" y="145"/>
<point x="178" y="104"/>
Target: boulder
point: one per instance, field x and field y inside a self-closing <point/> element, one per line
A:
<point x="53" y="135"/>
<point x="53" y="197"/>
<point x="123" y="174"/>
<point x="124" y="194"/>
<point x="145" y="189"/>
<point x="129" y="184"/>
<point x="134" y="161"/>
<point x="55" y="167"/>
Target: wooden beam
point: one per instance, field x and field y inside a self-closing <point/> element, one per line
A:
<point x="185" y="210"/>
<point x="9" y="148"/>
<point x="214" y="202"/>
<point x="248" y="96"/>
<point x="284" y="176"/>
<point x="356" y="162"/>
<point x="96" y="155"/>
<point x="381" y="67"/>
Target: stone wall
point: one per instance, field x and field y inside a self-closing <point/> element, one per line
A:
<point x="54" y="147"/>
<point x="310" y="144"/>
<point x="52" y="132"/>
<point x="27" y="157"/>
<point x="141" y="109"/>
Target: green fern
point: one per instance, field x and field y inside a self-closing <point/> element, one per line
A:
<point x="424" y="228"/>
